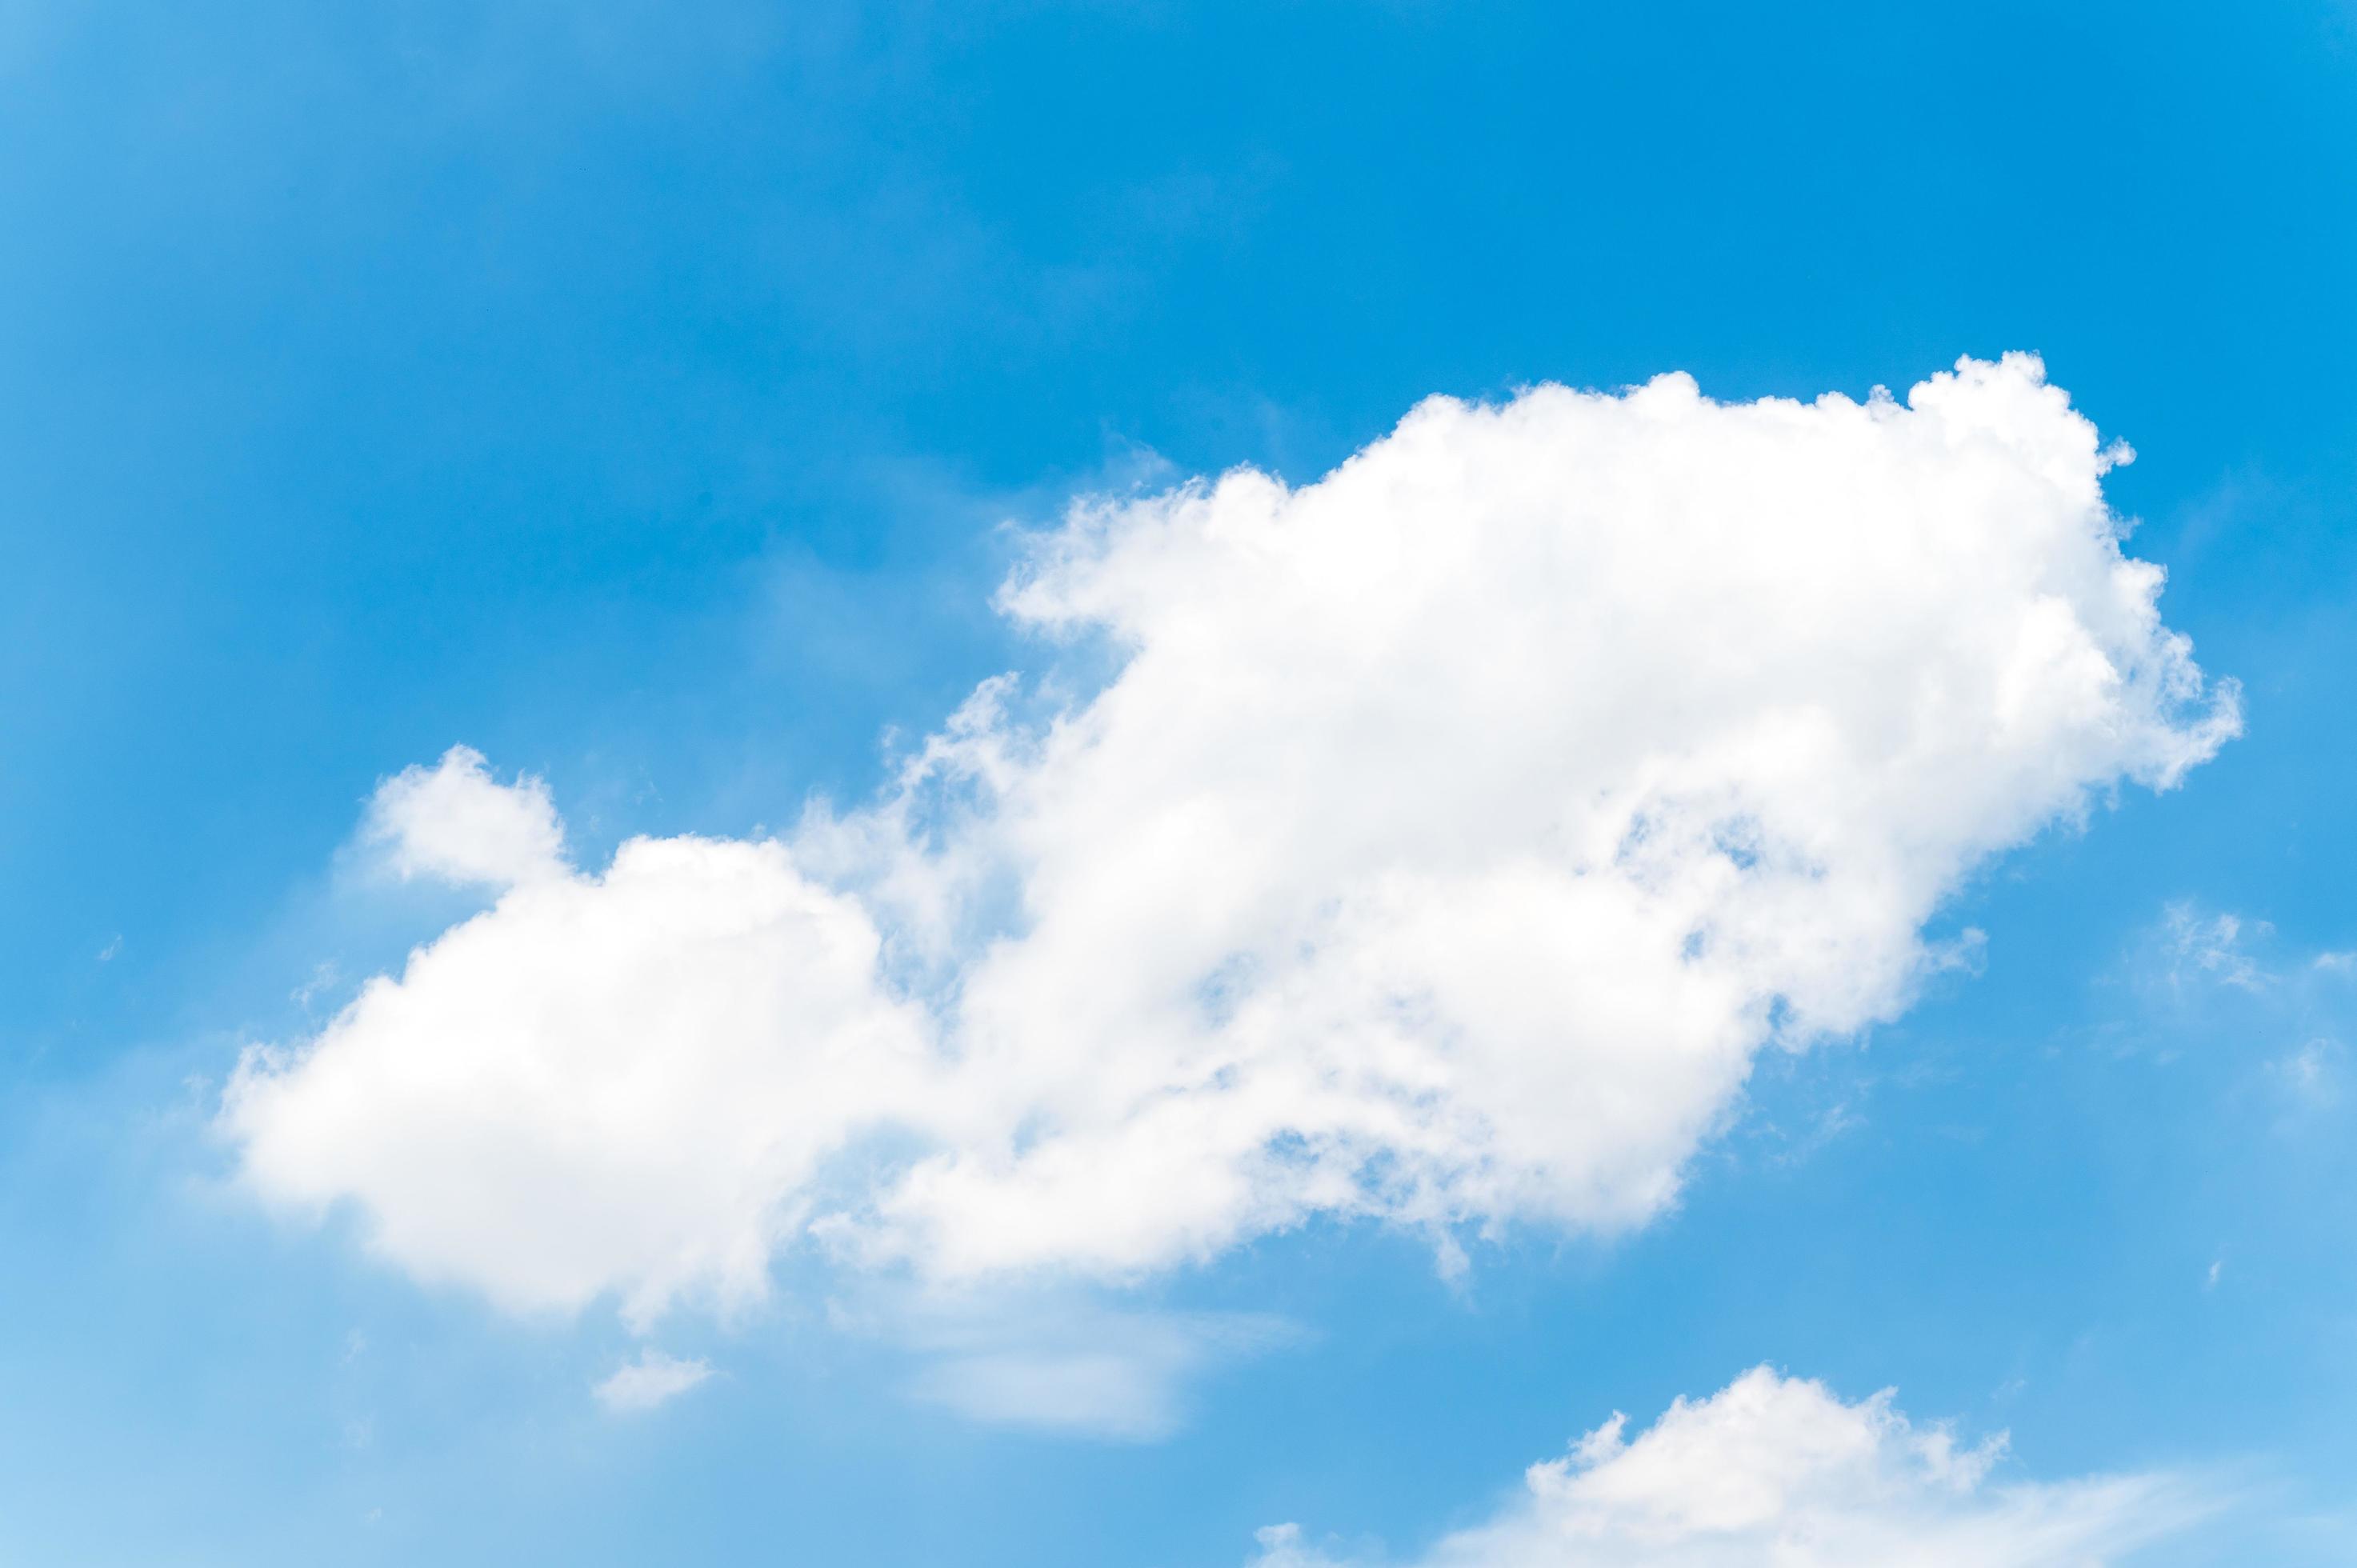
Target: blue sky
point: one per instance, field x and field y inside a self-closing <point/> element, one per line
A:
<point x="640" y="396"/>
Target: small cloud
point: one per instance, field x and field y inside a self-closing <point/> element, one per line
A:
<point x="653" y="1379"/>
<point x="1281" y="1546"/>
<point x="455" y="822"/>
<point x="1829" y="1124"/>
<point x="114" y="945"/>
<point x="2216" y="1267"/>
<point x="1964" y="953"/>
<point x="1779" y="1470"/>
<point x="2211" y="949"/>
<point x="2311" y="1073"/>
<point x="2208" y="979"/>
<point x="1116" y="1393"/>
<point x="1068" y="1366"/>
<point x="323" y="979"/>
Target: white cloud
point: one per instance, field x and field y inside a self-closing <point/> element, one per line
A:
<point x="653" y="1379"/>
<point x="1450" y="836"/>
<point x="612" y="1082"/>
<point x="1778" y="1470"/>
<point x="455" y="822"/>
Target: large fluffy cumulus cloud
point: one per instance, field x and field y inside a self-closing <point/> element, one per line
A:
<point x="1778" y="1470"/>
<point x="1448" y="839"/>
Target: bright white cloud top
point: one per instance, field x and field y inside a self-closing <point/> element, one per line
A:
<point x="1777" y="1470"/>
<point x="454" y="823"/>
<point x="1450" y="836"/>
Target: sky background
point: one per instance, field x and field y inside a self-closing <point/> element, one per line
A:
<point x="635" y="393"/>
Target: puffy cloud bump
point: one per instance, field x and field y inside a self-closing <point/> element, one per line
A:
<point x="1449" y="838"/>
<point x="1778" y="1470"/>
<point x="612" y="1083"/>
<point x="453" y="822"/>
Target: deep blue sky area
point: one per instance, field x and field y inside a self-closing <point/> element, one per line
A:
<point x="636" y="393"/>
